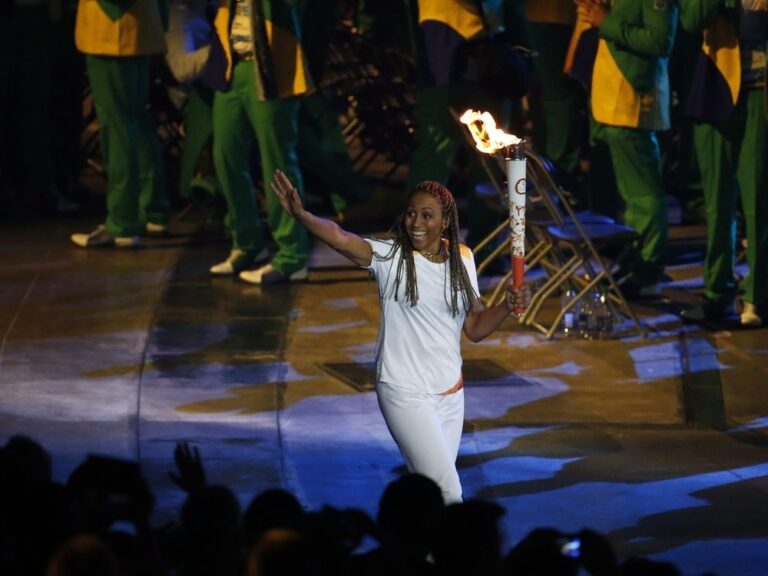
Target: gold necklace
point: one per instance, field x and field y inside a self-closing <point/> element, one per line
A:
<point x="433" y="256"/>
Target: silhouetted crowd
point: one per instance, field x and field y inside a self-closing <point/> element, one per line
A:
<point x="98" y="524"/>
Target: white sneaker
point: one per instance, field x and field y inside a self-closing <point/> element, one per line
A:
<point x="100" y="238"/>
<point x="749" y="317"/>
<point x="269" y="275"/>
<point x="237" y="261"/>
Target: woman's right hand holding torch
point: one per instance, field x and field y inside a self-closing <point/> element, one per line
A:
<point x="517" y="298"/>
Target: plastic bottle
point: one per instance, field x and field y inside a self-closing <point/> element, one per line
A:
<point x="603" y="317"/>
<point x="581" y="313"/>
<point x="592" y="315"/>
<point x="607" y="323"/>
<point x="569" y="325"/>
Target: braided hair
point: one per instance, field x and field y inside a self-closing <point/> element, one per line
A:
<point x="460" y="284"/>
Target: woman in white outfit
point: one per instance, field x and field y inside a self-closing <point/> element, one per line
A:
<point x="428" y="293"/>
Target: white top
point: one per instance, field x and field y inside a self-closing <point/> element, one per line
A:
<point x="418" y="347"/>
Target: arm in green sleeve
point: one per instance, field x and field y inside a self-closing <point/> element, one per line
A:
<point x="695" y="15"/>
<point x="653" y="36"/>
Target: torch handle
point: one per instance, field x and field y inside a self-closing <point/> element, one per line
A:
<point x="518" y="277"/>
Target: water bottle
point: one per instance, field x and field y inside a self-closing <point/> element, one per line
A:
<point x="569" y="323"/>
<point x="609" y="315"/>
<point x="581" y="313"/>
<point x="592" y="315"/>
<point x="603" y="315"/>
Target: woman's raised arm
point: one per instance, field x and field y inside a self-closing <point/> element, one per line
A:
<point x="345" y="243"/>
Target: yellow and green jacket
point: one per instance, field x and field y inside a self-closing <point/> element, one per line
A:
<point x="630" y="84"/>
<point x="121" y="27"/>
<point x="283" y="71"/>
<point x="717" y="80"/>
<point x="582" y="49"/>
<point x="446" y="27"/>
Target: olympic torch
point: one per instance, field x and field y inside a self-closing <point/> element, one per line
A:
<point x="514" y="162"/>
<point x="490" y="140"/>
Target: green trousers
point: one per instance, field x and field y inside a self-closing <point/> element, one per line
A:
<point x="198" y="121"/>
<point x="323" y="152"/>
<point x="733" y="158"/>
<point x="636" y="163"/>
<point x="603" y="194"/>
<point x="555" y="110"/>
<point x="238" y="116"/>
<point x="130" y="146"/>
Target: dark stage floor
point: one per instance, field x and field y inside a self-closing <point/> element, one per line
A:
<point x="660" y="443"/>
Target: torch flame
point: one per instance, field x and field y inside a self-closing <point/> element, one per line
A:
<point x="488" y="138"/>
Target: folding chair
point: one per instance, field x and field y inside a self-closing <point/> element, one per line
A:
<point x="575" y="256"/>
<point x="562" y="242"/>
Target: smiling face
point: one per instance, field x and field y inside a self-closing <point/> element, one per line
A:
<point x="424" y="222"/>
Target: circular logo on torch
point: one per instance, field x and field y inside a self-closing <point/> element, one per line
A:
<point x="520" y="186"/>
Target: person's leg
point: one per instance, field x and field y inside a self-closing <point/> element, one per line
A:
<point x="437" y="136"/>
<point x="418" y="424"/>
<point x="232" y="140"/>
<point x="717" y="164"/>
<point x="635" y="156"/>
<point x="198" y="121"/>
<point x="753" y="184"/>
<point x="154" y="206"/>
<point x="276" y="125"/>
<point x="603" y="197"/>
<point x="115" y="98"/>
<point x="67" y="94"/>
<point x="555" y="110"/>
<point x="450" y="410"/>
<point x="323" y="152"/>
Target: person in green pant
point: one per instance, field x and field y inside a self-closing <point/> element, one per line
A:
<point x="630" y="100"/>
<point x="118" y="38"/>
<point x="322" y="149"/>
<point x="189" y="46"/>
<point x="555" y="109"/>
<point x="258" y="69"/>
<point x="450" y="81"/>
<point x="446" y="28"/>
<point x="728" y="106"/>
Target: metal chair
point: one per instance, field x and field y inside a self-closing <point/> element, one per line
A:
<point x="564" y="243"/>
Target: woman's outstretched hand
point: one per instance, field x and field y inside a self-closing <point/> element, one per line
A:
<point x="518" y="298"/>
<point x="287" y="194"/>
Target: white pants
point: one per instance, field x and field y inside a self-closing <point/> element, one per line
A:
<point x="427" y="429"/>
